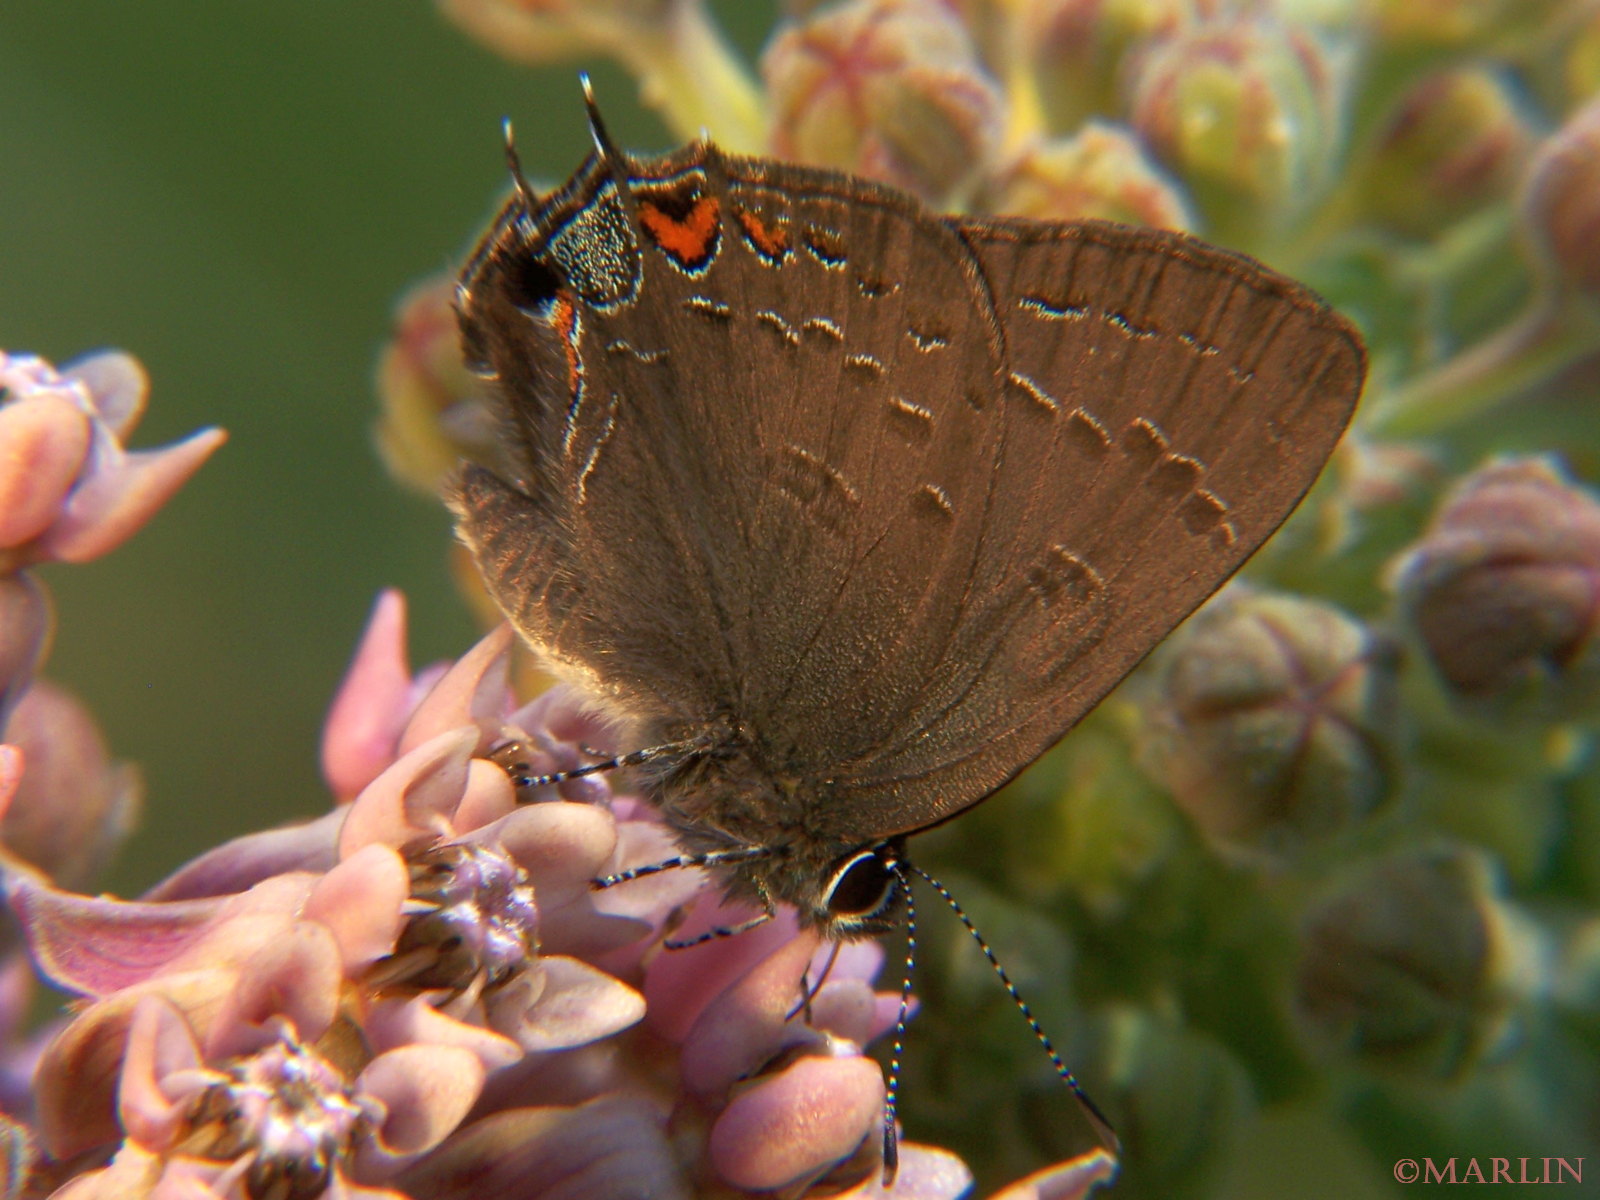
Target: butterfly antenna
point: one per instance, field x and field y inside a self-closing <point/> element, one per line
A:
<point x="1091" y="1111"/>
<point x="597" y="126"/>
<point x="891" y="1143"/>
<point x="525" y="191"/>
<point x="712" y="858"/>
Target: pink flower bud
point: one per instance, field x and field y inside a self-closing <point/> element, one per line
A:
<point x="69" y="491"/>
<point x="1456" y="142"/>
<point x="1501" y="589"/>
<point x="75" y="806"/>
<point x="888" y="88"/>
<point x="1561" y="201"/>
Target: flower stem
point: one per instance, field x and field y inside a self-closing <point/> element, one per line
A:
<point x="1552" y="332"/>
<point x="692" y="77"/>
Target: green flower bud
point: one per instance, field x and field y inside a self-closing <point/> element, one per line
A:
<point x="1081" y="46"/>
<point x="1102" y="171"/>
<point x="1580" y="66"/>
<point x="887" y="88"/>
<point x="1245" y="112"/>
<point x="1272" y="722"/>
<point x="1410" y="966"/>
<point x="1561" y="201"/>
<point x="1457" y="141"/>
<point x="1187" y="1096"/>
<point x="1456" y="24"/>
<point x="1500" y="591"/>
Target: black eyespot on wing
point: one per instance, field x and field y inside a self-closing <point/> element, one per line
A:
<point x="530" y="283"/>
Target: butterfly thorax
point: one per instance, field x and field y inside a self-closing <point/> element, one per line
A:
<point x="725" y="795"/>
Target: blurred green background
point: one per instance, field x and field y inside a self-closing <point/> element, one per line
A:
<point x="237" y="194"/>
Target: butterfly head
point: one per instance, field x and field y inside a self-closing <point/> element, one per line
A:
<point x="857" y="894"/>
<point x="864" y="893"/>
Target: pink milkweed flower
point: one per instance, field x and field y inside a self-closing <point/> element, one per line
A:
<point x="280" y="1117"/>
<point x="287" y="948"/>
<point x="443" y="927"/>
<point x="69" y="490"/>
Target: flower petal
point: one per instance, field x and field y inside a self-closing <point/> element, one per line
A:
<point x="25" y="624"/>
<point x="44" y="439"/>
<point x="96" y="945"/>
<point x="76" y="1083"/>
<point x="488" y="797"/>
<point x="295" y="977"/>
<point x="10" y="776"/>
<point x="394" y="1022"/>
<point x="562" y="846"/>
<point x="1074" y="1179"/>
<point x="425" y="1091"/>
<point x="131" y="1176"/>
<point x="747" y="1024"/>
<point x="577" y="1004"/>
<point x="473" y="691"/>
<point x="412" y="800"/>
<point x="159" y="1044"/>
<point x="796" y="1124"/>
<point x="360" y="901"/>
<point x="654" y="897"/>
<point x="363" y="724"/>
<point x="848" y="1008"/>
<point x="118" y="384"/>
<point x="242" y="863"/>
<point x="680" y="983"/>
<point x="926" y="1173"/>
<point x="615" y="1147"/>
<point x="121" y="492"/>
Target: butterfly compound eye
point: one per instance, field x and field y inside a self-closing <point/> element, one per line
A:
<point x="862" y="885"/>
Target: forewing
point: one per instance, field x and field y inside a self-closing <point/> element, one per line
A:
<point x="746" y="398"/>
<point x="1165" y="406"/>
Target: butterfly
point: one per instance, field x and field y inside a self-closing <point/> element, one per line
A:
<point x="845" y="510"/>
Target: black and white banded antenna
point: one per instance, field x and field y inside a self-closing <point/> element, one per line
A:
<point x="1091" y="1111"/>
<point x="891" y="1140"/>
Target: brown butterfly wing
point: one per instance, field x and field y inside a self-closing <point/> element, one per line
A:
<point x="1167" y="404"/>
<point x="896" y="498"/>
<point x="746" y="400"/>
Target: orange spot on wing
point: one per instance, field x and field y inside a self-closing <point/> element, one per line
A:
<point x="771" y="241"/>
<point x="564" y="316"/>
<point x="689" y="238"/>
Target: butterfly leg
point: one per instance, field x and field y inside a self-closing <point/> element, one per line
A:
<point x="718" y="932"/>
<point x="508" y="754"/>
<point x="808" y="990"/>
